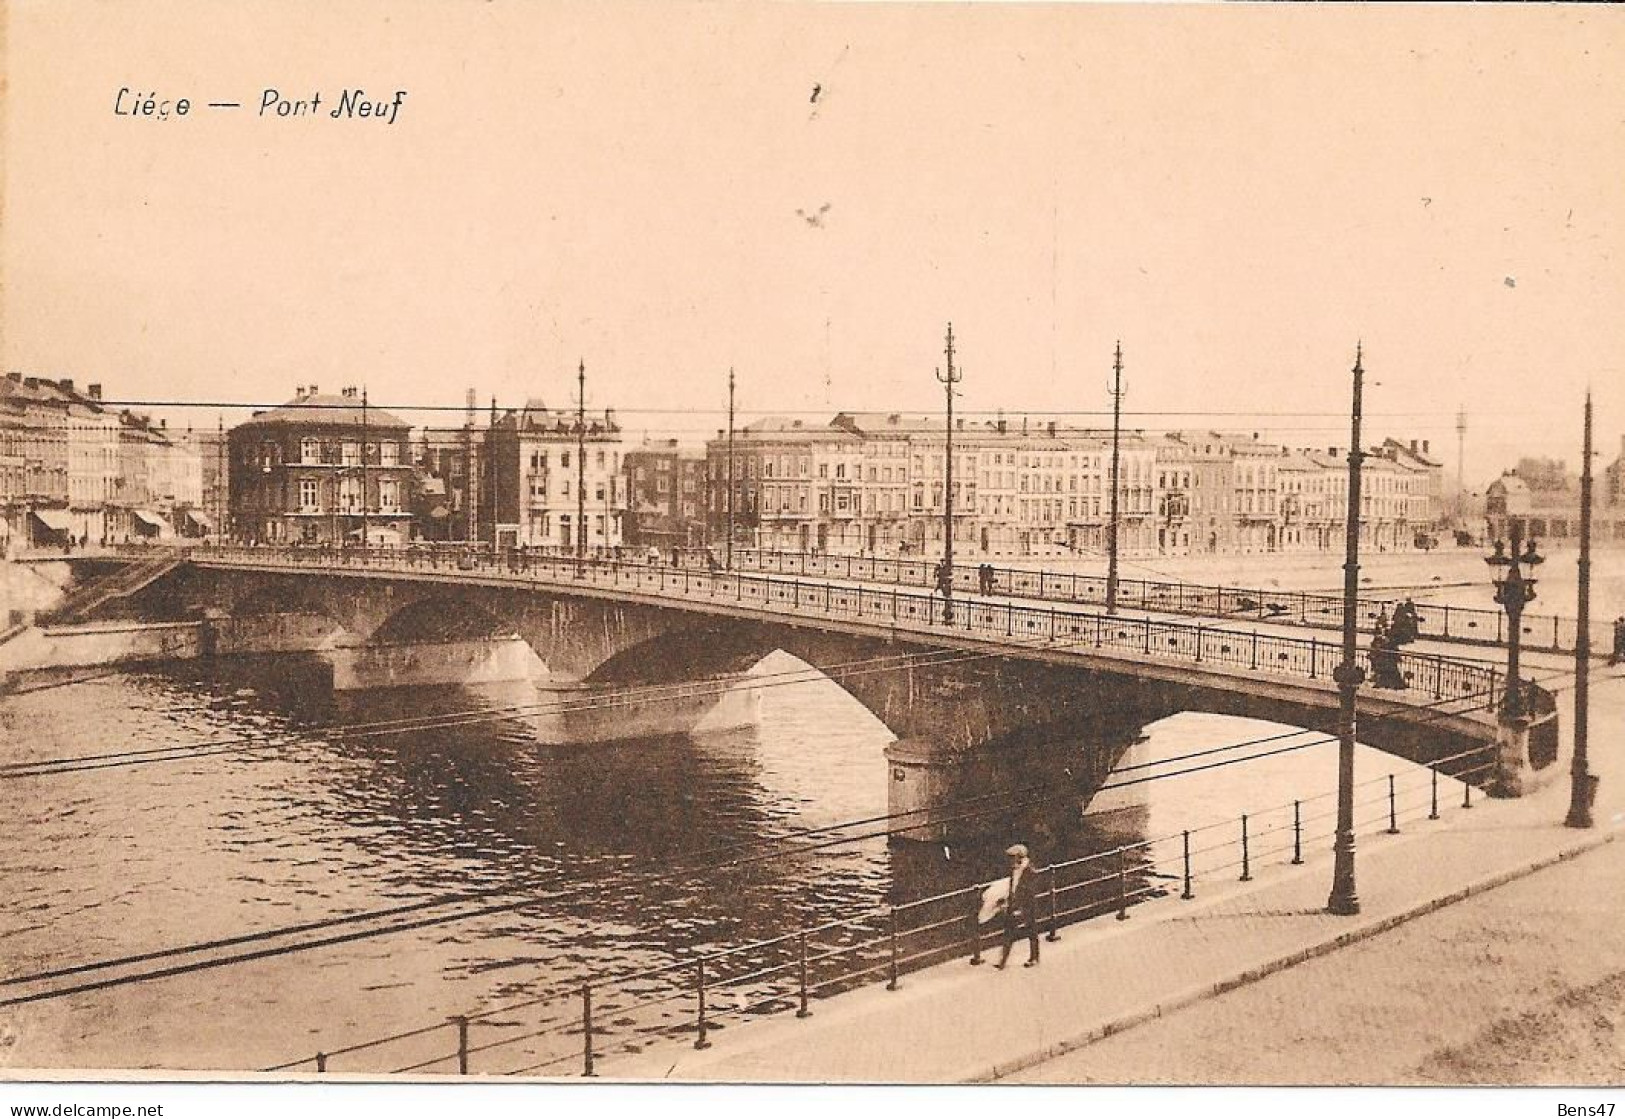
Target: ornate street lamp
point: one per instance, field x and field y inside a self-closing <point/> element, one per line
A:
<point x="1513" y="591"/>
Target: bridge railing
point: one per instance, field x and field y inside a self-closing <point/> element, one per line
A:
<point x="1425" y="676"/>
<point x="571" y="1028"/>
<point x="1466" y="624"/>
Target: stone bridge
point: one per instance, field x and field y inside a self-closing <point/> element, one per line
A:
<point x="628" y="649"/>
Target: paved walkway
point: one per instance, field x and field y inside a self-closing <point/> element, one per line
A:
<point x="957" y="1023"/>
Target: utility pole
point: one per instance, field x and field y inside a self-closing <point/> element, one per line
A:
<point x="1117" y="434"/>
<point x="728" y="561"/>
<point x="1583" y="786"/>
<point x="470" y="488"/>
<point x="946" y="576"/>
<point x="1461" y="466"/>
<point x="220" y="480"/>
<point x="581" y="467"/>
<point x="364" y="466"/>
<point x="1344" y="900"/>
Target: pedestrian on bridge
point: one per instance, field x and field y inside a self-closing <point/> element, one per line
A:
<point x="1021" y="906"/>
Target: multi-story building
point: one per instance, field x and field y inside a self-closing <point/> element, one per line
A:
<point x="449" y="462"/>
<point x="207" y="516"/>
<point x="1255" y="498"/>
<point x="321" y="469"/>
<point x="665" y="495"/>
<point x="543" y="474"/>
<point x="33" y="464"/>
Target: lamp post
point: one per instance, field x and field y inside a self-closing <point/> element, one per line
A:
<point x="1583" y="786"/>
<point x="1344" y="900"/>
<point x="946" y="576"/>
<point x="1513" y="591"/>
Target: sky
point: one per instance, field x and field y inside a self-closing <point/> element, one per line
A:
<point x="1239" y="194"/>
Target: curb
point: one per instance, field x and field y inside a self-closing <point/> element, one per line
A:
<point x="984" y="1074"/>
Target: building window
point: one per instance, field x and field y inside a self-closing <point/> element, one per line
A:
<point x="390" y="454"/>
<point x="309" y="501"/>
<point x="310" y="450"/>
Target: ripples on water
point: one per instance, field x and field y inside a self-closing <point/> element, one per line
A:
<point x="293" y="828"/>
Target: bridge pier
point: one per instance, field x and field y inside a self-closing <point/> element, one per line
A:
<point x="579" y="714"/>
<point x="487" y="660"/>
<point x="1524" y="752"/>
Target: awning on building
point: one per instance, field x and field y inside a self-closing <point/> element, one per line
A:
<point x="199" y="520"/>
<point x="152" y="520"/>
<point x="54" y="519"/>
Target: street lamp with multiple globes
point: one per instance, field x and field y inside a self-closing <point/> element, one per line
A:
<point x="1513" y="591"/>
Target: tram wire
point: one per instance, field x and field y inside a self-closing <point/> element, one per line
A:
<point x="529" y="901"/>
<point x="472" y="715"/>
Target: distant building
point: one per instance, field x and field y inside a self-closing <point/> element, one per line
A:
<point x="665" y="495"/>
<point x="536" y="487"/>
<point x="448" y="462"/>
<point x="321" y="469"/>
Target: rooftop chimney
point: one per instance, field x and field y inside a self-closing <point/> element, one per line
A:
<point x="95" y="391"/>
<point x="1424" y="446"/>
<point x="1052" y="429"/>
<point x="1413" y="446"/>
<point x="66" y="383"/>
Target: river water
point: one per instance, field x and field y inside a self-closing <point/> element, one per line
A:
<point x="625" y="851"/>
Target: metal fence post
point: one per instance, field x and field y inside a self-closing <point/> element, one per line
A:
<point x="1393" y="817"/>
<point x="801" y="974"/>
<point x="1466" y="793"/>
<point x="1246" y="860"/>
<point x="462" y="1043"/>
<point x="1122" y="887"/>
<point x="891" y="985"/>
<point x="1433" y="806"/>
<point x="1297" y="835"/>
<point x="1054" y="911"/>
<point x="699" y="970"/>
<point x="1185" y="842"/>
<point x="586" y="1030"/>
<point x="1198" y="644"/>
<point x="975" y="926"/>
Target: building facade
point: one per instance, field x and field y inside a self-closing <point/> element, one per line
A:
<point x="544" y="475"/>
<point x="321" y="469"/>
<point x="666" y="495"/>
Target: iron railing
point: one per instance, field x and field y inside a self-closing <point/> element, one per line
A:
<point x="570" y="1029"/>
<point x="1432" y="676"/>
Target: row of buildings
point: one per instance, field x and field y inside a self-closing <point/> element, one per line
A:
<point x="328" y="469"/>
<point x="325" y="469"/>
<point x="1545" y="496"/>
<point x="75" y="472"/>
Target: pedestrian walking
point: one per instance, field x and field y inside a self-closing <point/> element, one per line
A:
<point x="1406" y="625"/>
<point x="945" y="578"/>
<point x="1021" y="906"/>
<point x="1384" y="659"/>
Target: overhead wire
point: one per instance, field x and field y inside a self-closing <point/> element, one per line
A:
<point x="528" y="901"/>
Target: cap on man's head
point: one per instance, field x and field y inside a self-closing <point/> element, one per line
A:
<point x="1017" y="850"/>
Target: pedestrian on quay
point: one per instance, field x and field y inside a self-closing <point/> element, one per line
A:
<point x="945" y="578"/>
<point x="1384" y="657"/>
<point x="1020" y="906"/>
<point x="1619" y="642"/>
<point x="1406" y="624"/>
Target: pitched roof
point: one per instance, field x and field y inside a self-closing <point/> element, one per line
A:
<point x="329" y="410"/>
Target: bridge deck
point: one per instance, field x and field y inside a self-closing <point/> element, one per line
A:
<point x="1236" y="655"/>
